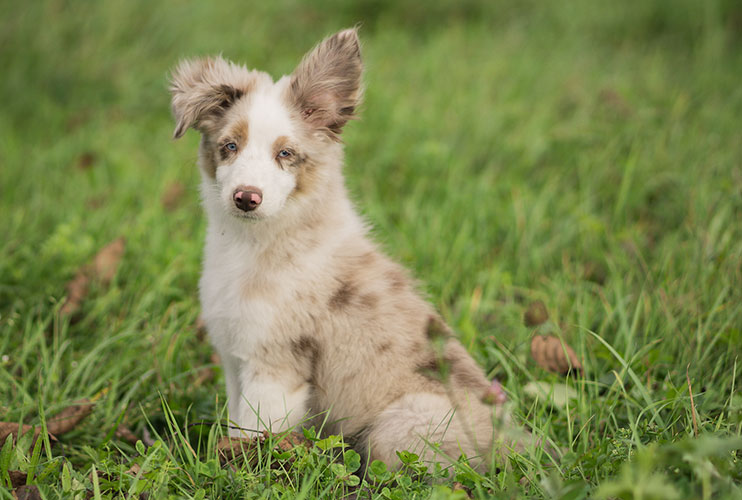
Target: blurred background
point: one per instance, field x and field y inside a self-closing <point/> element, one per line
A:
<point x="537" y="106"/>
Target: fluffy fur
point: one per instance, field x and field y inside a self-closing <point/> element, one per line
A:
<point x="309" y="317"/>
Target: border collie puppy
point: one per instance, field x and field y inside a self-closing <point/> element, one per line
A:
<point x="309" y="317"/>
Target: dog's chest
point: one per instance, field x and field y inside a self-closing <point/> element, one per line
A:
<point x="238" y="316"/>
<point x="247" y="305"/>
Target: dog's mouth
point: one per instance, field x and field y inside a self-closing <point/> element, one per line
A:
<point x="248" y="216"/>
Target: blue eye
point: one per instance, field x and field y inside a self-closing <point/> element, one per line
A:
<point x="231" y="146"/>
<point x="284" y="153"/>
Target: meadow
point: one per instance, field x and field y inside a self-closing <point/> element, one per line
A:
<point x="585" y="154"/>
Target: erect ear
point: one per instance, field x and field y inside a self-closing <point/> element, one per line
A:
<point x="202" y="90"/>
<point x="326" y="86"/>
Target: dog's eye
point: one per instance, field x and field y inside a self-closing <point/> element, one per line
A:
<point x="284" y="153"/>
<point x="230" y="146"/>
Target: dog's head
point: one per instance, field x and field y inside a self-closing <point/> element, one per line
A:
<point x="265" y="144"/>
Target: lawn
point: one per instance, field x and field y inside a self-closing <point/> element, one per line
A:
<point x="585" y="154"/>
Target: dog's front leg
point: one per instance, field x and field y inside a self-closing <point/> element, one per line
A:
<point x="271" y="399"/>
<point x="231" y="367"/>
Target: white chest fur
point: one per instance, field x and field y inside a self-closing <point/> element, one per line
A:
<point x="238" y="318"/>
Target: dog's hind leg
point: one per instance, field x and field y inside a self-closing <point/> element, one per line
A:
<point x="429" y="425"/>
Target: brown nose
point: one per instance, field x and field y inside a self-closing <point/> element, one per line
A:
<point x="247" y="198"/>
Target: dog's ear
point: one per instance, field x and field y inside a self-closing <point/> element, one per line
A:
<point x="326" y="86"/>
<point x="202" y="89"/>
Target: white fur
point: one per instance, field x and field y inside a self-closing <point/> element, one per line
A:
<point x="256" y="165"/>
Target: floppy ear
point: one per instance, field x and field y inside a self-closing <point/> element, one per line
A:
<point x="326" y="86"/>
<point x="202" y="90"/>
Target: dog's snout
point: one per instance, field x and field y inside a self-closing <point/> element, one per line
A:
<point x="247" y="198"/>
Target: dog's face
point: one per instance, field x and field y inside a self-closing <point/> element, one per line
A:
<point x="265" y="144"/>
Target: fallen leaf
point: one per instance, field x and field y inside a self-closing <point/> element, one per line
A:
<point x="594" y="272"/>
<point x="292" y="440"/>
<point x="107" y="260"/>
<point x="63" y="422"/>
<point x="77" y="119"/>
<point x="17" y="478"/>
<point x="554" y="355"/>
<point x="200" y="329"/>
<point x="103" y="269"/>
<point x="476" y="300"/>
<point x="147" y="438"/>
<point x="98" y="200"/>
<point x="557" y="394"/>
<point x="617" y="103"/>
<point x="27" y="492"/>
<point x="233" y="449"/>
<point x="173" y="196"/>
<point x="123" y="432"/>
<point x="230" y="449"/>
<point x="86" y="160"/>
<point x="8" y="428"/>
<point x="207" y="373"/>
<point x="536" y="314"/>
<point x="133" y="470"/>
<point x="77" y="290"/>
<point x="67" y="419"/>
<point x="460" y="487"/>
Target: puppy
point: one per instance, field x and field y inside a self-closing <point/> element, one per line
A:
<point x="308" y="316"/>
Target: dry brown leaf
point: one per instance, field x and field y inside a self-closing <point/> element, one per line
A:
<point x="77" y="119"/>
<point x="173" y="196"/>
<point x="233" y="449"/>
<point x="594" y="272"/>
<point x="147" y="438"/>
<point x="292" y="440"/>
<point x="460" y="487"/>
<point x="86" y="160"/>
<point x="207" y="374"/>
<point x="97" y="201"/>
<point x="133" y="470"/>
<point x="103" y="269"/>
<point x="63" y="422"/>
<point x="17" y="478"/>
<point x="615" y="102"/>
<point x="8" y="428"/>
<point x="77" y="290"/>
<point x="554" y="355"/>
<point x="123" y="432"/>
<point x="107" y="260"/>
<point x="67" y="419"/>
<point x="27" y="492"/>
<point x="536" y="314"/>
<point x="200" y="329"/>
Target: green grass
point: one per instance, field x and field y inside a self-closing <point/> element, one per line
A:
<point x="586" y="154"/>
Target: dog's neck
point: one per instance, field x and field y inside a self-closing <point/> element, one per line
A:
<point x="321" y="219"/>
